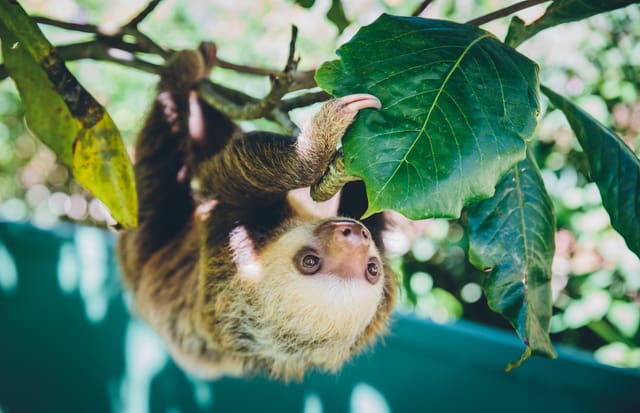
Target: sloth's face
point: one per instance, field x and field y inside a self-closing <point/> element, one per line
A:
<point x="318" y="282"/>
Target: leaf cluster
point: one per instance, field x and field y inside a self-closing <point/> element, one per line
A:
<point x="459" y="111"/>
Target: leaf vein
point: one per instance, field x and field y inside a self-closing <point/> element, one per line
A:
<point x="428" y="117"/>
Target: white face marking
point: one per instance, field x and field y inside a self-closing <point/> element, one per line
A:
<point x="319" y="305"/>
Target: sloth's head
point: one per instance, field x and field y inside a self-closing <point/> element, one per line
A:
<point x="319" y="292"/>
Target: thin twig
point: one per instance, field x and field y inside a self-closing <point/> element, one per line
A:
<point x="283" y="119"/>
<point x="235" y="104"/>
<point x="145" y="42"/>
<point x="147" y="45"/>
<point x="142" y="39"/>
<point x="280" y="85"/>
<point x="478" y="21"/>
<point x="418" y="11"/>
<point x="303" y="100"/>
<point x="97" y="50"/>
<point x="292" y="62"/>
<point x="258" y="71"/>
<point x="143" y="14"/>
<point x="123" y="45"/>
<point x="232" y="95"/>
<point x="76" y="27"/>
<point x="252" y="108"/>
<point x="303" y="80"/>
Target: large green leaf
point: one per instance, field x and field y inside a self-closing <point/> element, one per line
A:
<point x="66" y="117"/>
<point x="512" y="236"/>
<point x="457" y="107"/>
<point x="613" y="166"/>
<point x="559" y="12"/>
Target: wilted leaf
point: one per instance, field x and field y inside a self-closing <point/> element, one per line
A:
<point x="457" y="107"/>
<point x="66" y="117"/>
<point x="559" y="12"/>
<point x="613" y="166"/>
<point x="513" y="235"/>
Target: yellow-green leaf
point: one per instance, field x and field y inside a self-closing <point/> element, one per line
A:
<point x="63" y="115"/>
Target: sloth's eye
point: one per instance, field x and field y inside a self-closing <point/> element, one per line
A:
<point x="310" y="261"/>
<point x="373" y="271"/>
<point x="309" y="264"/>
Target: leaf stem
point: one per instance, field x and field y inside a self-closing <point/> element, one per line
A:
<point x="478" y="21"/>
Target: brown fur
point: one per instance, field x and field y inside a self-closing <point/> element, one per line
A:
<point x="218" y="281"/>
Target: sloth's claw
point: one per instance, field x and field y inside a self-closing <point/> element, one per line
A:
<point x="360" y="101"/>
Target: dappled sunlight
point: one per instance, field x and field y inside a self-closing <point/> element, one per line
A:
<point x="92" y="253"/>
<point x="312" y="404"/>
<point x="8" y="271"/>
<point x="82" y="268"/>
<point x="145" y="357"/>
<point x="367" y="399"/>
<point x="68" y="271"/>
<point x="618" y="354"/>
<point x="203" y="395"/>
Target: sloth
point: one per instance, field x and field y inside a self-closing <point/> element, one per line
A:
<point x="243" y="273"/>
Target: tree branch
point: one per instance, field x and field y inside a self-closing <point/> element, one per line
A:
<point x="253" y="108"/>
<point x="76" y="27"/>
<point x="249" y="70"/>
<point x="303" y="100"/>
<point x="292" y="62"/>
<point x="302" y="80"/>
<point x="122" y="54"/>
<point x="478" y="21"/>
<point x="123" y="46"/>
<point x="143" y="14"/>
<point x="282" y="118"/>
<point x="418" y="11"/>
<point x="146" y="44"/>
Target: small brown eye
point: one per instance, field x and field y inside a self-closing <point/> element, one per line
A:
<point x="309" y="264"/>
<point x="373" y="271"/>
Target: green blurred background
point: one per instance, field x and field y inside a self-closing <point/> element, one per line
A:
<point x="596" y="279"/>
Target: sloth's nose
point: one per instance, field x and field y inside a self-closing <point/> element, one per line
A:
<point x="351" y="232"/>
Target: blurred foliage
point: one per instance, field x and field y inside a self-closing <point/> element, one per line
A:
<point x="64" y="116"/>
<point x="596" y="279"/>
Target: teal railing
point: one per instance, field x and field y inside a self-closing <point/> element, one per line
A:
<point x="69" y="344"/>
